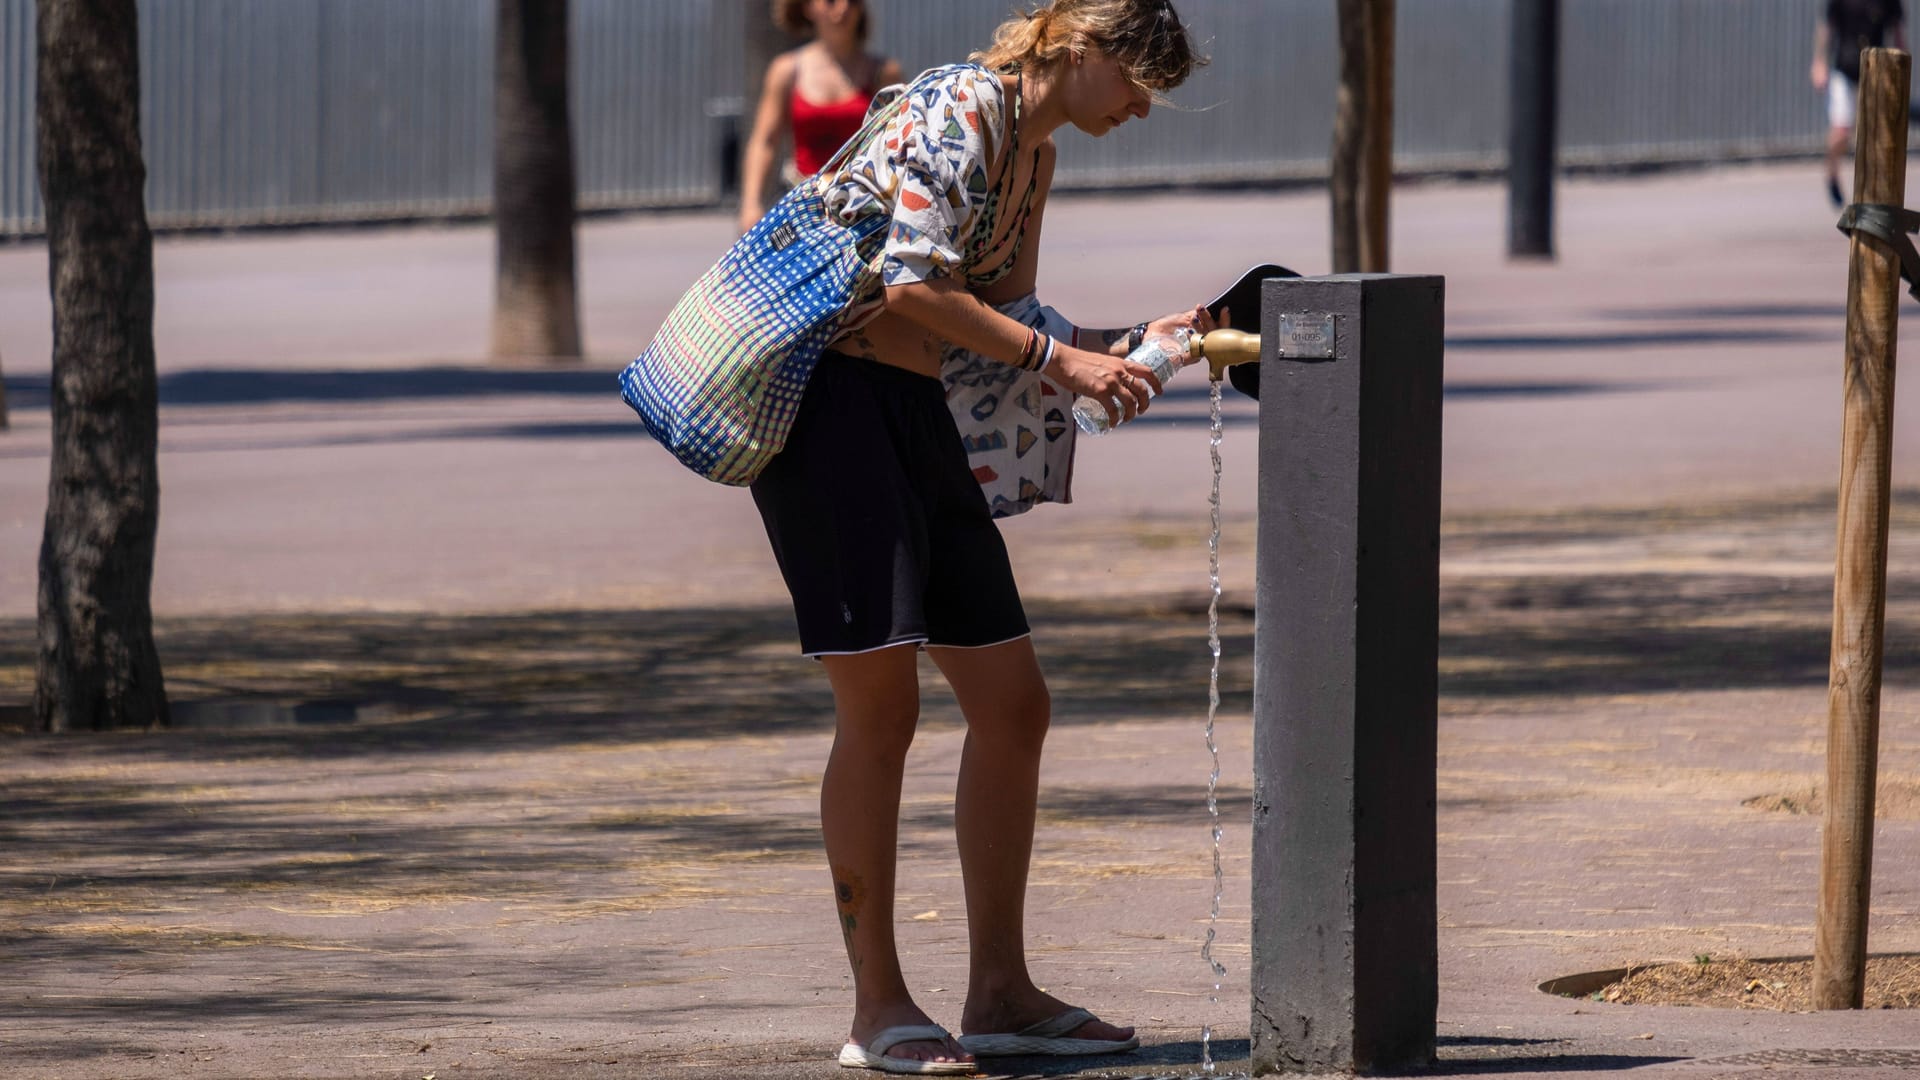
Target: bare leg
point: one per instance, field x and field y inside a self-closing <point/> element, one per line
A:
<point x="1839" y="139"/>
<point x="876" y="698"/>
<point x="1004" y="698"/>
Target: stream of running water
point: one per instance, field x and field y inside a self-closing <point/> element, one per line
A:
<point x="1213" y="708"/>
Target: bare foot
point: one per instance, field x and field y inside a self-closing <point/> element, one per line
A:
<point x="867" y="1025"/>
<point x="1014" y="1011"/>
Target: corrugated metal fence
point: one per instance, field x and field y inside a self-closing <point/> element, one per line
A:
<point x="328" y="110"/>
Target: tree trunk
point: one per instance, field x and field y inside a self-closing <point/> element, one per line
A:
<point x="1349" y="132"/>
<point x="536" y="314"/>
<point x="1376" y="180"/>
<point x="97" y="666"/>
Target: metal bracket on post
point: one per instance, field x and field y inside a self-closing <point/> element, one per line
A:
<point x="1889" y="225"/>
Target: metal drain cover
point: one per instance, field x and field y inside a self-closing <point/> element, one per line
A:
<point x="1841" y="1059"/>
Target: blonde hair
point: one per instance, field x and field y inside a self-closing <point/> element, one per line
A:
<point x="791" y="16"/>
<point x="1146" y="36"/>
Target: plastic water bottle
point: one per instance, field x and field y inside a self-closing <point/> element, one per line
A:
<point x="1162" y="354"/>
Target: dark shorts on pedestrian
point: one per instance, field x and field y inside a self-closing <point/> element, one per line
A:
<point x="879" y="526"/>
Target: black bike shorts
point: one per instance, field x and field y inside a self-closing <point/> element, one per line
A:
<point x="879" y="526"/>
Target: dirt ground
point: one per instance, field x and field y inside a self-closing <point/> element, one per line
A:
<point x="1892" y="982"/>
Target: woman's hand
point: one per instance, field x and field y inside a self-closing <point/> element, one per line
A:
<point x="1195" y="320"/>
<point x="1123" y="387"/>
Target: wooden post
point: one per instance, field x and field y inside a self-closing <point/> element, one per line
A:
<point x="1376" y="167"/>
<point x="1860" y="570"/>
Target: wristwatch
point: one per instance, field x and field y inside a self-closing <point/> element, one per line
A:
<point x="1135" y="336"/>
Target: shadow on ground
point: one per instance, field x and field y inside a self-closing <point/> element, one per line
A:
<point x="391" y="811"/>
<point x="533" y="680"/>
<point x="249" y="387"/>
<point x="525" y="681"/>
<point x="263" y="386"/>
<point x="506" y="685"/>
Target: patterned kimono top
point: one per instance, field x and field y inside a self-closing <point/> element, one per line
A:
<point x="927" y="170"/>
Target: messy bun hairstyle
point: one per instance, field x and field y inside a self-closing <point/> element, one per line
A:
<point x="791" y="16"/>
<point x="1146" y="36"/>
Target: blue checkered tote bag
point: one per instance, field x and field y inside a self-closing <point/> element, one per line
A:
<point x="720" y="384"/>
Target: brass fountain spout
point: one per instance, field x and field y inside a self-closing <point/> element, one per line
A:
<point x="1224" y="348"/>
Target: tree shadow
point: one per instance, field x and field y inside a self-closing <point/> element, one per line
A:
<point x="1229" y="1054"/>
<point x="27" y="391"/>
<point x="1457" y="1057"/>
<point x="536" y="680"/>
<point x="1628" y="633"/>
<point x="1479" y="1055"/>
<point x="581" y="429"/>
<point x="1649" y="339"/>
<point x="265" y="386"/>
<point x="1572" y="1062"/>
<point x="268" y="386"/>
<point x="1452" y="391"/>
<point x="1733" y="312"/>
<point x="1498" y="390"/>
<point x="1152" y="803"/>
<point x="300" y="982"/>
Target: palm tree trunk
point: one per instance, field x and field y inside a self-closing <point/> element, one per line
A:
<point x="97" y="667"/>
<point x="536" y="314"/>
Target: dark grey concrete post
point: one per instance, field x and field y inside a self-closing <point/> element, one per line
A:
<point x="1345" y="966"/>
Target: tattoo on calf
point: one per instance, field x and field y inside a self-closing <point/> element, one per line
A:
<point x="849" y="894"/>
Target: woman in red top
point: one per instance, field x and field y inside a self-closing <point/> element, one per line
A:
<point x="817" y="93"/>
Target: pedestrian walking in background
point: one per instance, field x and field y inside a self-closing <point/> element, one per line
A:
<point x="817" y="94"/>
<point x="1848" y="28"/>
<point x="879" y="520"/>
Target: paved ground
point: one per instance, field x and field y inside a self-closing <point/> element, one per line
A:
<point x="571" y="833"/>
<point x="1685" y="346"/>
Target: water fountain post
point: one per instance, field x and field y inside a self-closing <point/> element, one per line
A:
<point x="1345" y="964"/>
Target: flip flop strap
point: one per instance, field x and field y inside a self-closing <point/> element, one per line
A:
<point x="888" y="1038"/>
<point x="1055" y="1027"/>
